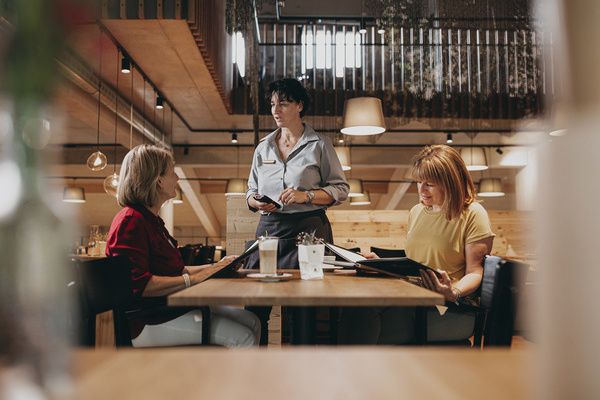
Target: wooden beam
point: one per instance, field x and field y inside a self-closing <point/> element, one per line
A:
<point x="199" y="202"/>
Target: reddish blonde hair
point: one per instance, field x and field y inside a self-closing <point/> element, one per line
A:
<point x="442" y="165"/>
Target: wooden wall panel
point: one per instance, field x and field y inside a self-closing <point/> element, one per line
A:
<point x="382" y="228"/>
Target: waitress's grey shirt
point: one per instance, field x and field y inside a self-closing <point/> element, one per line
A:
<point x="313" y="164"/>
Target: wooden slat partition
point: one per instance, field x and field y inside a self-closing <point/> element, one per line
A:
<point x="206" y="19"/>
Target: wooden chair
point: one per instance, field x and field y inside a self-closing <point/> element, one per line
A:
<point x="501" y="286"/>
<point x="388" y="253"/>
<point x="105" y="284"/>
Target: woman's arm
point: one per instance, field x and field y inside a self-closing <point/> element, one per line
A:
<point x="165" y="285"/>
<point x="289" y="196"/>
<point x="474" y="255"/>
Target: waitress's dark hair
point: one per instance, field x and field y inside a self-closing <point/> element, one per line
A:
<point x="289" y="89"/>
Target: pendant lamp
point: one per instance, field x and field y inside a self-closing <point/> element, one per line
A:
<point x="363" y="200"/>
<point x="560" y="116"/>
<point x="112" y="181"/>
<point x="363" y="116"/>
<point x="236" y="186"/>
<point x="97" y="161"/>
<point x="74" y="195"/>
<point x="356" y="188"/>
<point x="474" y="158"/>
<point x="490" y="187"/>
<point x="343" y="154"/>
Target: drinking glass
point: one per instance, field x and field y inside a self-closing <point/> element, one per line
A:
<point x="267" y="249"/>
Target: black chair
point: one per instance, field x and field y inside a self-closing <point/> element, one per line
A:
<point x="501" y="286"/>
<point x="105" y="284"/>
<point x="188" y="252"/>
<point x="201" y="255"/>
<point x="388" y="253"/>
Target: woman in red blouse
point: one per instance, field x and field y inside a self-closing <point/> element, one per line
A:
<point x="147" y="181"/>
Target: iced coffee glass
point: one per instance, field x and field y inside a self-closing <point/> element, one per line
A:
<point x="267" y="250"/>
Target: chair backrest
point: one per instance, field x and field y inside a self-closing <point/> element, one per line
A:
<point x="388" y="253"/>
<point x="188" y="253"/>
<point x="105" y="284"/>
<point x="501" y="287"/>
<point x="201" y="256"/>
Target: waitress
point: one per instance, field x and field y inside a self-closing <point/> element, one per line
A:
<point x="298" y="169"/>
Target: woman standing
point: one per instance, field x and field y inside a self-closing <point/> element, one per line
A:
<point x="147" y="181"/>
<point x="299" y="169"/>
<point x="448" y="231"/>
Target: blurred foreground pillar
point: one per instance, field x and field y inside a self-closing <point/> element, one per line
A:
<point x="569" y="227"/>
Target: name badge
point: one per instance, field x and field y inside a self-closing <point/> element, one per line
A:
<point x="268" y="161"/>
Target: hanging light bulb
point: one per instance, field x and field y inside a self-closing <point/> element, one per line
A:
<point x="110" y="184"/>
<point x="97" y="161"/>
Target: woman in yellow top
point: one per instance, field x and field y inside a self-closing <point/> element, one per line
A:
<point x="448" y="231"/>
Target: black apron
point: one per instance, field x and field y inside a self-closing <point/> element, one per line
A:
<point x="287" y="227"/>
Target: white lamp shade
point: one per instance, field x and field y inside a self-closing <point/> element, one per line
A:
<point x="490" y="187"/>
<point x="356" y="188"/>
<point x="474" y="158"/>
<point x="178" y="199"/>
<point x="363" y="200"/>
<point x="74" y="195"/>
<point x="236" y="186"/>
<point x="363" y="116"/>
<point x="343" y="154"/>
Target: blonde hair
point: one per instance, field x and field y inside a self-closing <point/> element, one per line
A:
<point x="442" y="165"/>
<point x="141" y="168"/>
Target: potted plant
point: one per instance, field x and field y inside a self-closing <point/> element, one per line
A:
<point x="310" y="256"/>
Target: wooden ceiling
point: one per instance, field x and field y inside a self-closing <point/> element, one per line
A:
<point x="166" y="53"/>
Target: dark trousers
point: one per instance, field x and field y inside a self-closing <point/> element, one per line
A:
<point x="302" y="320"/>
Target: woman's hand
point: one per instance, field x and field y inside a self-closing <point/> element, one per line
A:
<point x="225" y="261"/>
<point x="369" y="256"/>
<point x="289" y="196"/>
<point x="266" y="207"/>
<point x="443" y="286"/>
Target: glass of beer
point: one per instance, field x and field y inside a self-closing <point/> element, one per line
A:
<point x="267" y="250"/>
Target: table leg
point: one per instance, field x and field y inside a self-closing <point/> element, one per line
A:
<point x="205" y="325"/>
<point x="303" y="325"/>
<point x="421" y="325"/>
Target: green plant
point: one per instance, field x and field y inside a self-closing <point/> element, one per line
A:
<point x="308" y="239"/>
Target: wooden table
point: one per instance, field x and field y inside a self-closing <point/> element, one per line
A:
<point x="303" y="373"/>
<point x="336" y="289"/>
